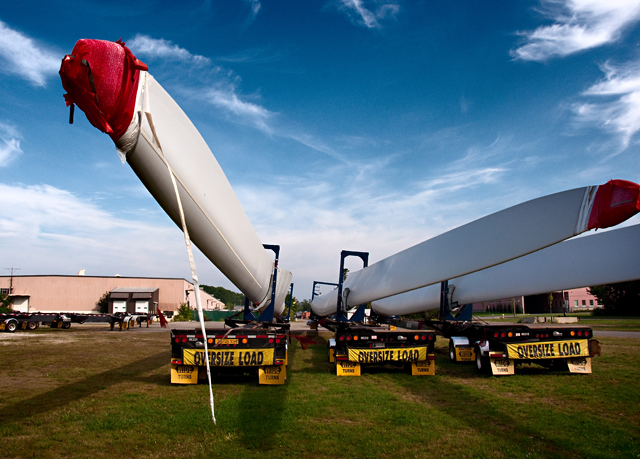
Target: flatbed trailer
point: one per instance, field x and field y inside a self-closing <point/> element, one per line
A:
<point x="356" y="345"/>
<point x="10" y="322"/>
<point x="498" y="348"/>
<point x="257" y="348"/>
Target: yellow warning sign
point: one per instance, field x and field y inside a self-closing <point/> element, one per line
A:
<point x="405" y="354"/>
<point x="229" y="357"/>
<point x="184" y="374"/>
<point x="272" y="374"/>
<point x="465" y="354"/>
<point x="346" y="368"/>
<point x="502" y="366"/>
<point x="423" y="368"/>
<point x="580" y="365"/>
<point x="549" y="350"/>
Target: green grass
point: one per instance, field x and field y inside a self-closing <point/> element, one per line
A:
<point x="78" y="393"/>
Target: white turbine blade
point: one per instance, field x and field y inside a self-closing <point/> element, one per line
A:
<point x="491" y="240"/>
<point x="604" y="258"/>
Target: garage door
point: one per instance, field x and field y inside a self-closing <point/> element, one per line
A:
<point x="142" y="307"/>
<point x="119" y="306"/>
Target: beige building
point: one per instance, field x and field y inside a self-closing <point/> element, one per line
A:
<point x="81" y="293"/>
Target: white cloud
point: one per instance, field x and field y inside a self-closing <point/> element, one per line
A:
<point x="368" y="15"/>
<point x="46" y="230"/>
<point x="578" y="25"/>
<point x="165" y="49"/>
<point x="228" y="99"/>
<point x="20" y="55"/>
<point x="618" y="110"/>
<point x="255" y="7"/>
<point x="9" y="144"/>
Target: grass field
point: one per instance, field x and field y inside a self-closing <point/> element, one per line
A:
<point x="86" y="393"/>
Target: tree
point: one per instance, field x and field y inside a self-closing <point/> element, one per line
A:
<point x="304" y="305"/>
<point x="103" y="303"/>
<point x="184" y="313"/>
<point x="5" y="304"/>
<point x="229" y="298"/>
<point x="294" y="305"/>
<point x="621" y="299"/>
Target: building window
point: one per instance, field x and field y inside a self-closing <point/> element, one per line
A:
<point x="4" y="291"/>
<point x="575" y="303"/>
<point x="584" y="302"/>
<point x="590" y="302"/>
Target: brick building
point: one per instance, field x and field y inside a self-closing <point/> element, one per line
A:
<point x="575" y="300"/>
<point x="80" y="293"/>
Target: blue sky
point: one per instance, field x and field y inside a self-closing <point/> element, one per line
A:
<point x="341" y="124"/>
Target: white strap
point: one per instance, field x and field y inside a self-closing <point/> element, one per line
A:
<point x="194" y="274"/>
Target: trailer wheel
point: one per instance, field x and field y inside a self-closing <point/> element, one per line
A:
<point x="452" y="352"/>
<point x="66" y="325"/>
<point x="32" y="325"/>
<point x="482" y="363"/>
<point x="11" y="327"/>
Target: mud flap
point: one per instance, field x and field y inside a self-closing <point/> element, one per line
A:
<point x="502" y="367"/>
<point x="272" y="374"/>
<point x="184" y="374"/>
<point x="423" y="368"/>
<point x="465" y="354"/>
<point x="346" y="368"/>
<point x="579" y="365"/>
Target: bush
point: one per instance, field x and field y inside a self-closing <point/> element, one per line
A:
<point x="184" y="313"/>
<point x="5" y="304"/>
<point x="103" y="303"/>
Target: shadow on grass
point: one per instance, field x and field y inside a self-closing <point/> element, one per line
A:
<point x="536" y="428"/>
<point x="69" y="393"/>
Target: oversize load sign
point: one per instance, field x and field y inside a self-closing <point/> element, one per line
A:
<point x="229" y="357"/>
<point x="405" y="354"/>
<point x="550" y="350"/>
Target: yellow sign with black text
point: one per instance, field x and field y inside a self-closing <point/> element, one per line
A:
<point x="229" y="357"/>
<point x="502" y="366"/>
<point x="346" y="368"/>
<point x="580" y="365"/>
<point x="405" y="354"/>
<point x="549" y="350"/>
<point x="272" y="374"/>
<point x="423" y="368"/>
<point x="465" y="354"/>
<point x="184" y="374"/>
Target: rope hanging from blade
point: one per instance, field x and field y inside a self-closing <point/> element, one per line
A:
<point x="194" y="274"/>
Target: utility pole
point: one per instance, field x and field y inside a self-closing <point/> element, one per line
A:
<point x="11" y="279"/>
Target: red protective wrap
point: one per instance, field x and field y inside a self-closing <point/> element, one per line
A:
<point x="101" y="78"/>
<point x="615" y="202"/>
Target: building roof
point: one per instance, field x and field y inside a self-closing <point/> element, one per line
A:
<point x="134" y="290"/>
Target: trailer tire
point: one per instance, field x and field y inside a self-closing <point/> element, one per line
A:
<point x="66" y="325"/>
<point x="11" y="327"/>
<point x="32" y="325"/>
<point x="452" y="352"/>
<point x="483" y="364"/>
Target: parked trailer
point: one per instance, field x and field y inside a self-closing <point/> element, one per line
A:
<point x="260" y="349"/>
<point x="10" y="322"/>
<point x="497" y="348"/>
<point x="357" y="345"/>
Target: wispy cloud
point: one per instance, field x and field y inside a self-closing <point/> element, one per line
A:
<point x="618" y="110"/>
<point x="578" y="25"/>
<point x="215" y="85"/>
<point x="159" y="47"/>
<point x="367" y="13"/>
<point x="20" y="55"/>
<point x="254" y="6"/>
<point x="9" y="144"/>
<point x="228" y="99"/>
